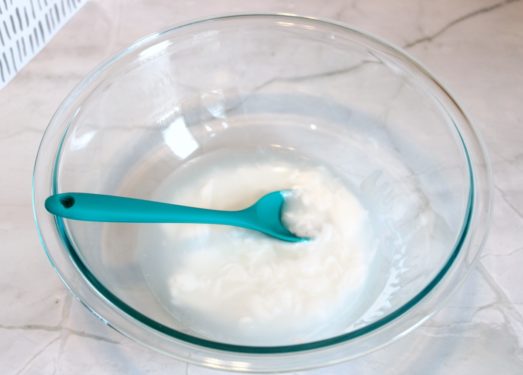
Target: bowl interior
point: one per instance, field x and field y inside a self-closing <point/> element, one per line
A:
<point x="293" y="88"/>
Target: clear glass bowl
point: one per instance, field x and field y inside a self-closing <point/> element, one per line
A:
<point x="249" y="82"/>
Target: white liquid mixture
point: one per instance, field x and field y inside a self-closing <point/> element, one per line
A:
<point x="241" y="286"/>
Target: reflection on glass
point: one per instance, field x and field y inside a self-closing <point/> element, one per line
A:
<point x="179" y="139"/>
<point x="154" y="50"/>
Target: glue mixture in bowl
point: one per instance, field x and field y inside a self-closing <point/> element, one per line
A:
<point x="240" y="286"/>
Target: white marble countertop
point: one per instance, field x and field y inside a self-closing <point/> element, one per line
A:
<point x="475" y="47"/>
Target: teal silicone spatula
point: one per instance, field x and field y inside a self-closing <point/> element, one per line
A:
<point x="263" y="216"/>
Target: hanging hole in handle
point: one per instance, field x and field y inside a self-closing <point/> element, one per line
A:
<point x="67" y="201"/>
